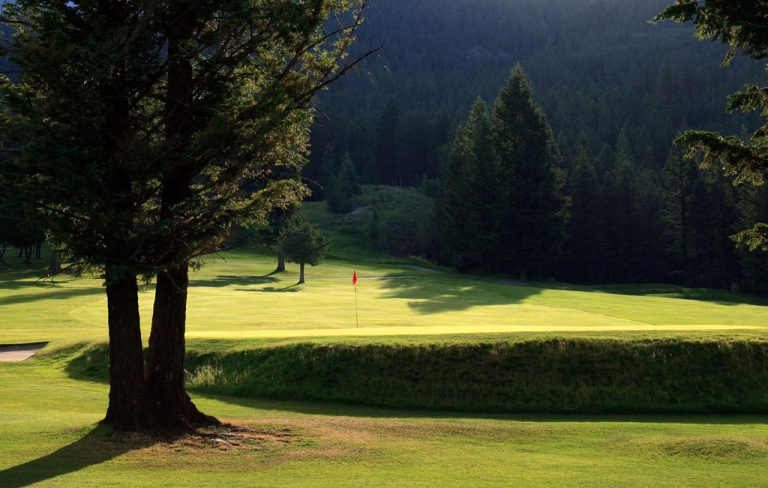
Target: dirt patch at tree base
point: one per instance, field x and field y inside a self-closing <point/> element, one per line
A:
<point x="221" y="438"/>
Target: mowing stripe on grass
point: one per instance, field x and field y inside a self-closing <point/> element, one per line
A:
<point x="453" y="330"/>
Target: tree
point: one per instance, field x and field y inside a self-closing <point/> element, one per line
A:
<point x="502" y="207"/>
<point x="386" y="142"/>
<point x="143" y="132"/>
<point x="533" y="209"/>
<point x="470" y="192"/>
<point x="741" y="25"/>
<point x="17" y="228"/>
<point x="679" y="179"/>
<point x="343" y="187"/>
<point x="585" y="248"/>
<point x="301" y="243"/>
<point x="754" y="265"/>
<point x="268" y="233"/>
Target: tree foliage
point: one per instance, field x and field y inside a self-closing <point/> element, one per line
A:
<point x="503" y="209"/>
<point x="741" y="25"/>
<point x="470" y="193"/>
<point x="343" y="187"/>
<point x="301" y="243"/>
<point x="142" y="132"/>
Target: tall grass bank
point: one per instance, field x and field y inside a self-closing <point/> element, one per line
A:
<point x="551" y="376"/>
<point x="578" y="375"/>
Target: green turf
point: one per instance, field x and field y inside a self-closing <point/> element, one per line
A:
<point x="235" y="297"/>
<point x="48" y="436"/>
<point x="48" y="417"/>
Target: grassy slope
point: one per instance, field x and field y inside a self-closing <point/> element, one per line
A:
<point x="48" y="421"/>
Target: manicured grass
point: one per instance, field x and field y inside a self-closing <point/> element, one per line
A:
<point x="235" y="297"/>
<point x="48" y="436"/>
<point x="50" y="407"/>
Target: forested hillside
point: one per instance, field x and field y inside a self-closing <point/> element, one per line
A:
<point x="598" y="67"/>
<point x="616" y="90"/>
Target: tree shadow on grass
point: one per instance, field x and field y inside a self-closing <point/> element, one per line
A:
<point x="96" y="447"/>
<point x="337" y="409"/>
<point x="57" y="293"/>
<point x="271" y="289"/>
<point x="221" y="281"/>
<point x="432" y="295"/>
<point x="714" y="296"/>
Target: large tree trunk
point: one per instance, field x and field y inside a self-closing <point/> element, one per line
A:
<point x="280" y="263"/>
<point x="3" y="248"/>
<point x="168" y="405"/>
<point x="301" y="273"/>
<point x="126" y="363"/>
<point x="54" y="266"/>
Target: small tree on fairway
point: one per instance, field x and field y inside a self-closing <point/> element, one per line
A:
<point x="301" y="243"/>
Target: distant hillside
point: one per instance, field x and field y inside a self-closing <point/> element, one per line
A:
<point x="598" y="67"/>
<point x="386" y="222"/>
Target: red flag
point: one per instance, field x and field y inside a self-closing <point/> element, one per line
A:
<point x="354" y="278"/>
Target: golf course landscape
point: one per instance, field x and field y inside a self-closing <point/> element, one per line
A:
<point x="383" y="243"/>
<point x="326" y="428"/>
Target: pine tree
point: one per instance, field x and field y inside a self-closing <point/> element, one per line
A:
<point x="680" y="176"/>
<point x="532" y="217"/>
<point x="622" y="217"/>
<point x="144" y="133"/>
<point x="470" y="183"/>
<point x="753" y="208"/>
<point x="585" y="248"/>
<point x="343" y="187"/>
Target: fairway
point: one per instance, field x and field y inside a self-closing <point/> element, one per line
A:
<point x="234" y="296"/>
<point x="49" y="425"/>
<point x="49" y="436"/>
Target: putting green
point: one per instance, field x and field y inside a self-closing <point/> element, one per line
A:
<point x="236" y="297"/>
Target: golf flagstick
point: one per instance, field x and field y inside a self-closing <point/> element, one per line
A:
<point x="354" y="284"/>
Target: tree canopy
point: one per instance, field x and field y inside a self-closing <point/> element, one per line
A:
<point x="142" y="132"/>
<point x="502" y="206"/>
<point x="301" y="243"/>
<point x="741" y="25"/>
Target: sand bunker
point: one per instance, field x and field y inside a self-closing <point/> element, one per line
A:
<point x="20" y="352"/>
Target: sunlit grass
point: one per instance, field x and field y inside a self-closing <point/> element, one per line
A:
<point x="235" y="296"/>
